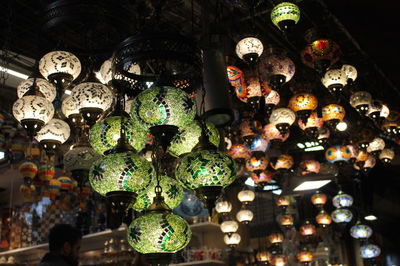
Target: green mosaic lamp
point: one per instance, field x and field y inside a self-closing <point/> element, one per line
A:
<point x="159" y="233"/>
<point x="104" y="135"/>
<point x="188" y="137"/>
<point x="285" y="15"/>
<point x="172" y="192"/>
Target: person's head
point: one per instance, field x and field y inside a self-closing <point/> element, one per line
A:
<point x="65" y="240"/>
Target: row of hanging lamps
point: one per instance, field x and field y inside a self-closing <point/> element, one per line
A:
<point x="244" y="215"/>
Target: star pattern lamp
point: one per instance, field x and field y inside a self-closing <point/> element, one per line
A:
<point x="249" y="49"/>
<point x="47" y="89"/>
<point x="334" y="80"/>
<point x="303" y="104"/>
<point x="276" y="68"/>
<point x="285" y="15"/>
<point x="70" y="109"/>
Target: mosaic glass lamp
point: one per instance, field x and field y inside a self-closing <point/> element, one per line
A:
<point x="53" y="134"/>
<point x="262" y="178"/>
<point x="323" y="135"/>
<point x="229" y="227"/>
<point x="47" y="89"/>
<point x="360" y="231"/>
<point x="272" y="134"/>
<point x="361" y="101"/>
<point x="386" y="156"/>
<point x="276" y="68"/>
<point x="342" y="215"/>
<point x="252" y="91"/>
<point x="232" y="240"/>
<point x="246" y="196"/>
<point x="271" y="100"/>
<point x="332" y="114"/>
<point x="369" y="251"/>
<point x="307" y="229"/>
<point x="303" y="104"/>
<point x="283" y="163"/>
<point x="319" y="199"/>
<point x="378" y="111"/>
<point x="104" y="135"/>
<point x="334" y="80"/>
<point x="376" y="146"/>
<point x="320" y="54"/>
<point x="257" y="162"/>
<point x="239" y="152"/>
<point x="223" y="207"/>
<point x="309" y="167"/>
<point x="70" y="109"/>
<point x="244" y="216"/>
<point x="338" y="154"/>
<point x="249" y="49"/>
<point x="286" y="220"/>
<point x="283" y="202"/>
<point x="351" y="73"/>
<point x="342" y="200"/>
<point x="282" y="118"/>
<point x="235" y="76"/>
<point x="305" y="257"/>
<point x="285" y="15"/>
<point x="323" y="219"/>
<point x="275" y="238"/>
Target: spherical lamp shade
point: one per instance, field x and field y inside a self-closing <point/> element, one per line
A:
<point x="334" y="80"/>
<point x="69" y="107"/>
<point x="65" y="183"/>
<point x="333" y="114"/>
<point x="305" y="256"/>
<point x="80" y="158"/>
<point x="319" y="199"/>
<point x="342" y="215"/>
<point x="249" y="129"/>
<point x="105" y="73"/>
<point x="239" y="151"/>
<point x="386" y="156"/>
<point x="282" y="116"/>
<point x="163" y="106"/>
<point x="342" y="200"/>
<point x="235" y="76"/>
<point x="187" y="137"/>
<point x="223" y="207"/>
<point x="285" y="15"/>
<point x="159" y="233"/>
<point x="350" y="71"/>
<point x="229" y="227"/>
<point x="307" y="229"/>
<point x="252" y="90"/>
<point x="272" y="98"/>
<point x="206" y="168"/>
<point x="286" y="220"/>
<point x="258" y="143"/>
<point x="360" y="231"/>
<point x="276" y="68"/>
<point x="121" y="172"/>
<point x="283" y="201"/>
<point x="57" y="62"/>
<point x="375" y="146"/>
<point x="246" y="196"/>
<point x="284" y="162"/>
<point x="249" y="49"/>
<point x="257" y="162"/>
<point x="28" y="169"/>
<point x="263" y="256"/>
<point x="46" y="172"/>
<point x="55" y="131"/>
<point x="338" y="154"/>
<point x="232" y="240"/>
<point x="312" y="124"/>
<point x="262" y="178"/>
<point x="272" y="134"/>
<point x="309" y="167"/>
<point x="303" y="104"/>
<point x="323" y="135"/>
<point x="321" y="54"/>
<point x="323" y="219"/>
<point x="46" y="88"/>
<point x="279" y="260"/>
<point x="104" y="135"/>
<point x="369" y="251"/>
<point x="361" y="101"/>
<point x="244" y="216"/>
<point x="171" y="191"/>
<point x="275" y="238"/>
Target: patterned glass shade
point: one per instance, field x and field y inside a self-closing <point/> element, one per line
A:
<point x="55" y="130"/>
<point x="307" y="229"/>
<point x="360" y="98"/>
<point x="323" y="133"/>
<point x="59" y="62"/>
<point x="333" y="111"/>
<point x="171" y="191"/>
<point x="249" y="45"/>
<point x="106" y="71"/>
<point x="338" y="154"/>
<point x="286" y="220"/>
<point x="206" y="168"/>
<point x="386" y="155"/>
<point x="80" y="158"/>
<point x="275" y="238"/>
<point x="69" y="106"/>
<point x="246" y="195"/>
<point x="46" y="88"/>
<point x="33" y="107"/>
<point x="263" y="177"/>
<point x="92" y="95"/>
<point x="360" y="231"/>
<point x="282" y="116"/>
<point x="104" y="135"/>
<point x="323" y="219"/>
<point x="235" y="76"/>
<point x="312" y="121"/>
<point x="257" y="161"/>
<point x="272" y="97"/>
<point x="309" y="167"/>
<point x="121" y="172"/>
<point x="272" y="64"/>
<point x="250" y="127"/>
<point x="369" y="251"/>
<point x="334" y="78"/>
<point x="284" y="161"/>
<point x="303" y="101"/>
<point x="163" y="106"/>
<point x="258" y="144"/>
<point x="239" y="151"/>
<point x="342" y="215"/>
<point x="305" y="256"/>
<point x="323" y="49"/>
<point x="350" y="71"/>
<point x="223" y="207"/>
<point x="232" y="240"/>
<point x="319" y="199"/>
<point x="187" y="137"/>
<point x="342" y="200"/>
<point x="159" y="233"/>
<point x="285" y="11"/>
<point x="252" y="87"/>
<point x="244" y="216"/>
<point x="228" y="227"/>
<point x="376" y="145"/>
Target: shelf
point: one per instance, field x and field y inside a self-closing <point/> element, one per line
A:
<point x="201" y="262"/>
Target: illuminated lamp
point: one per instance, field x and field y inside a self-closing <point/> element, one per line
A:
<point x="334" y="80"/>
<point x="360" y="231"/>
<point x="320" y="54"/>
<point x="70" y="109"/>
<point x="376" y="146"/>
<point x="312" y="124"/>
<point x="305" y="257"/>
<point x="47" y="89"/>
<point x="255" y="89"/>
<point x="342" y="200"/>
<point x="257" y="162"/>
<point x="378" y="111"/>
<point x="307" y="229"/>
<point x="332" y="114"/>
<point x="282" y="118"/>
<point x="263" y="256"/>
<point x="235" y="77"/>
<point x="342" y="215"/>
<point x="271" y="100"/>
<point x="232" y="240"/>
<point x="323" y="135"/>
<point x="303" y="104"/>
<point x="244" y="216"/>
<point x="309" y="167"/>
<point x="361" y="101"/>
<point x="239" y="152"/>
<point x="386" y="156"/>
<point x="351" y="73"/>
<point x="323" y="219"/>
<point x="319" y="199"/>
<point x="283" y="163"/>
<point x="338" y="154"/>
<point x="53" y="134"/>
<point x="285" y="15"/>
<point x="272" y="134"/>
<point x="249" y="49"/>
<point x="229" y="227"/>
<point x="246" y="196"/>
<point x="262" y="178"/>
<point x="223" y="207"/>
<point x="275" y="238"/>
<point x="258" y="144"/>
<point x="249" y="130"/>
<point x="369" y="251"/>
<point x="286" y="220"/>
<point x="279" y="260"/>
<point x="367" y="165"/>
<point x="283" y="202"/>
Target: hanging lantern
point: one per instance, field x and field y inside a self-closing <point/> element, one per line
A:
<point x="319" y="199"/>
<point x="239" y="152"/>
<point x="244" y="216"/>
<point x="309" y="167"/>
<point x="276" y="68"/>
<point x="286" y="220"/>
<point x="46" y="172"/>
<point x="369" y="251"/>
<point x="360" y="231"/>
<point x="53" y="134"/>
<point x="246" y="196"/>
<point x="28" y="170"/>
<point x="54" y="188"/>
<point x="338" y="154"/>
<point x="272" y="134"/>
<point x="258" y="144"/>
<point x="386" y="156"/>
<point x="104" y="135"/>
<point x="271" y="100"/>
<point x="92" y="99"/>
<point x="361" y="101"/>
<point x="303" y="104"/>
<point x="232" y="240"/>
<point x="332" y="114"/>
<point x="285" y="15"/>
<point x="223" y="207"/>
<point x="275" y="238"/>
<point x="283" y="202"/>
<point x="235" y="77"/>
<point x="323" y="135"/>
<point x="187" y="138"/>
<point x="311" y="125"/>
<point x="252" y="91"/>
<point x="307" y="229"/>
<point x="342" y="215"/>
<point x="249" y="130"/>
<point x="378" y="111"/>
<point x="351" y="73"/>
<point x="334" y="80"/>
<point x="263" y="256"/>
<point x="171" y="191"/>
<point x="65" y="183"/>
<point x="249" y="49"/>
<point x="342" y="200"/>
<point x="305" y="257"/>
<point x="257" y="162"/>
<point x="262" y="178"/>
<point x="47" y="89"/>
<point x="283" y="162"/>
<point x="376" y="146"/>
<point x="70" y="109"/>
<point x="282" y="118"/>
<point x="229" y="227"/>
<point x="321" y="54"/>
<point x="323" y="219"/>
<point x="279" y="260"/>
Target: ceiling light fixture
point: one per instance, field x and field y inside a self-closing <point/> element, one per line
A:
<point x="13" y="73"/>
<point x="310" y="185"/>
